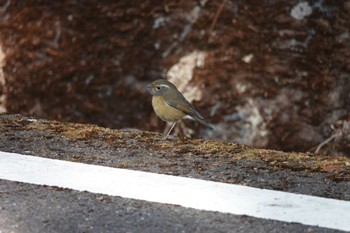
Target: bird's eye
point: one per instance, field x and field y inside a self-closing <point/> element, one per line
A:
<point x="158" y="87"/>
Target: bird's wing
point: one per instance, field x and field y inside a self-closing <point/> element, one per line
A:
<point x="183" y="106"/>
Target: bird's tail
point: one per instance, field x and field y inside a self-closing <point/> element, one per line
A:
<point x="204" y="123"/>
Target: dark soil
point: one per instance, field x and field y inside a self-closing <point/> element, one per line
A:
<point x="268" y="79"/>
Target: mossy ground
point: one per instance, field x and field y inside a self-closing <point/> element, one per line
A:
<point x="196" y="158"/>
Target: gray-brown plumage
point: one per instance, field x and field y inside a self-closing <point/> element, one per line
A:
<point x="170" y="105"/>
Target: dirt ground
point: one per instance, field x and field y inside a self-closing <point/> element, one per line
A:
<point x="325" y="176"/>
<point x="269" y="74"/>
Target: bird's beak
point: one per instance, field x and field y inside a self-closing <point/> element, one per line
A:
<point x="149" y="88"/>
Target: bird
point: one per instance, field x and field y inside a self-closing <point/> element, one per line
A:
<point x="171" y="106"/>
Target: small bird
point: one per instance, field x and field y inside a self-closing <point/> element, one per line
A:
<point x="170" y="105"/>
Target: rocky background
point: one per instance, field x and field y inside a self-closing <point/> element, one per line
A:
<point x="269" y="74"/>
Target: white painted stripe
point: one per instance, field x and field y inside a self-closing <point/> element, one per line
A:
<point x="187" y="192"/>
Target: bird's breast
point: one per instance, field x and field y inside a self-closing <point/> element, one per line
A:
<point x="164" y="111"/>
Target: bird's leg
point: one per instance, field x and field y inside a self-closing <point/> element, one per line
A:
<point x="166" y="128"/>
<point x="165" y="136"/>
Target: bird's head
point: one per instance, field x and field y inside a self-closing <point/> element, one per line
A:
<point x="160" y="87"/>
